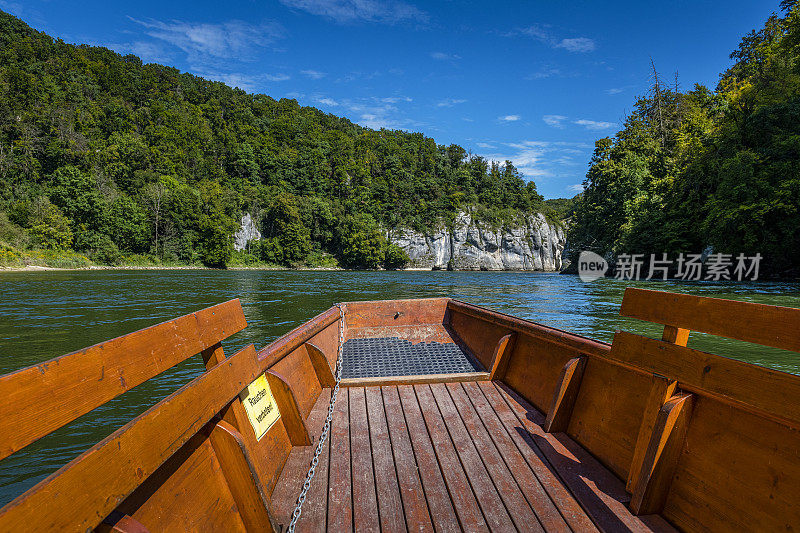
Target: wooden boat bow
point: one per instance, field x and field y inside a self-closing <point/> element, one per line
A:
<point x="546" y="430"/>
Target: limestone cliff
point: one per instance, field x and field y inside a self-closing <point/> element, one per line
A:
<point x="535" y="244"/>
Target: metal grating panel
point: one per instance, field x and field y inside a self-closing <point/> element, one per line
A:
<point x="392" y="356"/>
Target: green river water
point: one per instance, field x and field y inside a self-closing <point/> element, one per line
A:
<point x="46" y="314"/>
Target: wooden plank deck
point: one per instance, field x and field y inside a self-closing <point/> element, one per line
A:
<point x="450" y="457"/>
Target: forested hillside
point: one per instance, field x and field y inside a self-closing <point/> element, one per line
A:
<point x="121" y="161"/>
<point x="717" y="168"/>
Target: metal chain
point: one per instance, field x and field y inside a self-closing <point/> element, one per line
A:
<point x="325" y="429"/>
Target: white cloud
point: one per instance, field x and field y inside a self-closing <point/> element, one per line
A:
<point x="330" y="102"/>
<point x="313" y="74"/>
<point x="546" y="72"/>
<point x="395" y="99"/>
<point x="579" y="44"/>
<point x="148" y="52"/>
<point x="543" y="33"/>
<point x="342" y="11"/>
<point x="545" y="160"/>
<point x="442" y="56"/>
<point x="577" y="187"/>
<point x="450" y="102"/>
<point x="509" y="118"/>
<point x="226" y="40"/>
<point x="485" y="145"/>
<point x="556" y="121"/>
<point x="277" y="77"/>
<point x="594" y="125"/>
<point x="615" y="90"/>
<point x="233" y="79"/>
<point x="537" y="31"/>
<point x="380" y="112"/>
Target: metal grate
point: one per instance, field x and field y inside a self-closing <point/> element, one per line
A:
<point x="392" y="356"/>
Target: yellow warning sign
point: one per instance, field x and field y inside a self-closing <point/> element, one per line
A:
<point x="260" y="406"/>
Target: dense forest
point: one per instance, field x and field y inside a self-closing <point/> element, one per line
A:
<point x="104" y="157"/>
<point x="706" y="168"/>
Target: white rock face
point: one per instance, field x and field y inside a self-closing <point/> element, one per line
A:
<point x="535" y="245"/>
<point x="247" y="232"/>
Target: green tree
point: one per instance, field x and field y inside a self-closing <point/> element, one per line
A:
<point x="363" y="244"/>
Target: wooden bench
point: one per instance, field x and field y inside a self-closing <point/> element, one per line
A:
<point x="192" y="461"/>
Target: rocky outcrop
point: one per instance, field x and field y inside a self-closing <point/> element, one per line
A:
<point x="247" y="232"/>
<point x="535" y="244"/>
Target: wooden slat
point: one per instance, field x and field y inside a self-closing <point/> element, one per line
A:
<point x="365" y="501"/>
<point x="514" y="500"/>
<point x="340" y="499"/>
<point x="532" y="329"/>
<point x="442" y="512"/>
<point x="601" y="494"/>
<point x="280" y="347"/>
<point x="386" y="486"/>
<point x="561" y="497"/>
<point x="321" y="366"/>
<point x="675" y="335"/>
<point x="661" y="459"/>
<point x="502" y="354"/>
<point x="187" y="493"/>
<point x="466" y="506"/>
<point x="299" y="374"/>
<point x="315" y="509"/>
<point x="566" y="392"/>
<point x="413" y="380"/>
<point x="739" y="472"/>
<point x="293" y="474"/>
<point x="768" y="325"/>
<point x="529" y="484"/>
<point x="661" y="390"/>
<point x="82" y="493"/>
<point x="121" y="523"/>
<point x="287" y="404"/>
<point x="240" y="474"/>
<point x="412" y="493"/>
<point x="88" y="378"/>
<point x="497" y="517"/>
<point x="769" y="392"/>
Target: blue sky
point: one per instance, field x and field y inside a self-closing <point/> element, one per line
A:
<point x="536" y="82"/>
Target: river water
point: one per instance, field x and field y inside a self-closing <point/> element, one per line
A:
<point x="46" y="314"/>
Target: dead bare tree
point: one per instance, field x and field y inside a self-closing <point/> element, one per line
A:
<point x="155" y="194"/>
<point x="658" y="98"/>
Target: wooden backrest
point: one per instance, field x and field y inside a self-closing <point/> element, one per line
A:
<point x="768" y="325"/>
<point x="81" y="494"/>
<point x="768" y="392"/>
<point x="37" y="400"/>
<point x="719" y="448"/>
